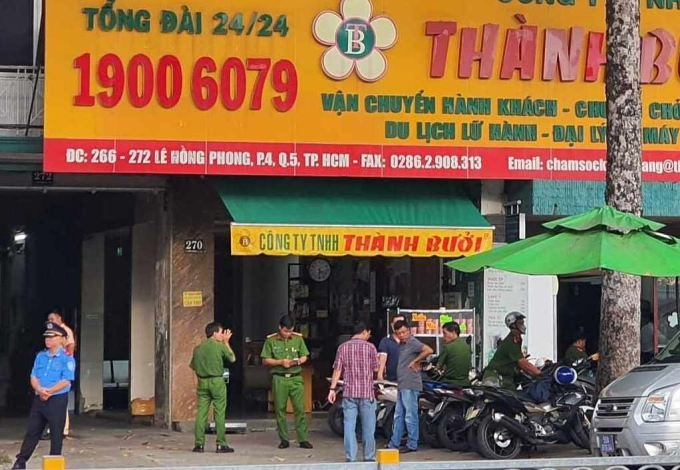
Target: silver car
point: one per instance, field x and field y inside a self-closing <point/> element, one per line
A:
<point x="639" y="413"/>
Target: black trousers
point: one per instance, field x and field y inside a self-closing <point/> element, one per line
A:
<point x="52" y="412"/>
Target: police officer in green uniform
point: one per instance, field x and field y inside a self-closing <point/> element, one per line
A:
<point x="455" y="359"/>
<point x="208" y="364"/>
<point x="577" y="351"/>
<point x="509" y="357"/>
<point x="285" y="352"/>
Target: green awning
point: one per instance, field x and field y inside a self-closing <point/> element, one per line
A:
<point x="599" y="239"/>
<point x="352" y="216"/>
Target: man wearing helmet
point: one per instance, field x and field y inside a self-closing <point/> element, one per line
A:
<point x="509" y="355"/>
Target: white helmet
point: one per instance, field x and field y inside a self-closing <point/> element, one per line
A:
<point x="513" y="317"/>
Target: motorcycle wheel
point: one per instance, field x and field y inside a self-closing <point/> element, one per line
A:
<point x="428" y="432"/>
<point x="580" y="432"/>
<point x="336" y="419"/>
<point x="387" y="425"/>
<point x="496" y="442"/>
<point x="387" y="429"/>
<point x="449" y="430"/>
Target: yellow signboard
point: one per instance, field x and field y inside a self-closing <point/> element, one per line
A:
<point x="508" y="89"/>
<point x="250" y="240"/>
<point x="192" y="299"/>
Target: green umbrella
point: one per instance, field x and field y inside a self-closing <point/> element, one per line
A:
<point x="602" y="238"/>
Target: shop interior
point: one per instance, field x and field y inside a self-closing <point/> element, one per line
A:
<point x="579" y="304"/>
<point x="326" y="296"/>
<point x="41" y="239"/>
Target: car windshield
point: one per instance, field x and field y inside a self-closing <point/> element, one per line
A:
<point x="670" y="354"/>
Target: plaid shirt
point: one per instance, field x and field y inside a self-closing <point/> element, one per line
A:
<point x="358" y="361"/>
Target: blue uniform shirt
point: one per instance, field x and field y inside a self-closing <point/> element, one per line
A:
<point x="50" y="370"/>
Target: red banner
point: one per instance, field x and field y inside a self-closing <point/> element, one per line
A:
<point x="270" y="159"/>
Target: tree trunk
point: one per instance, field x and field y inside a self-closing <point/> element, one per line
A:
<point x="620" y="320"/>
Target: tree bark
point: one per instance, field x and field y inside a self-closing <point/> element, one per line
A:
<point x="620" y="320"/>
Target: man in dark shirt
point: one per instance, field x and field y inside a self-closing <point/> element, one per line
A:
<point x="388" y="354"/>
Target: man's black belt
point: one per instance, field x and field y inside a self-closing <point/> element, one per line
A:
<point x="211" y="377"/>
<point x="286" y="375"/>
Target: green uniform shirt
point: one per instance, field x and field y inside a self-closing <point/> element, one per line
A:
<point x="456" y="357"/>
<point x="574" y="354"/>
<point x="276" y="347"/>
<point x="506" y="358"/>
<point x="208" y="359"/>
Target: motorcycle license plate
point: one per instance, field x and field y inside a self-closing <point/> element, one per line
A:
<point x="607" y="445"/>
<point x="472" y="413"/>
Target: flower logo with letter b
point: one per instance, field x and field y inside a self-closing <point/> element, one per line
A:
<point x="357" y="40"/>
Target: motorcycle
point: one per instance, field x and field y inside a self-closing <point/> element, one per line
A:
<point x="585" y="368"/>
<point x="448" y="418"/>
<point x="386" y="398"/>
<point x="429" y="399"/>
<point x="508" y="421"/>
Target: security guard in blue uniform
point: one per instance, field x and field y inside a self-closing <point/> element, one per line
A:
<point x="51" y="377"/>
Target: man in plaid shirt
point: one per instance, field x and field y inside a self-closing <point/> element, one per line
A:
<point x="357" y="362"/>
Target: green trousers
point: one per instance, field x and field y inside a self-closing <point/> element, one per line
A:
<point x="282" y="389"/>
<point x="214" y="391"/>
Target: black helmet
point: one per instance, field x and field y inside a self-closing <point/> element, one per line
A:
<point x="578" y="335"/>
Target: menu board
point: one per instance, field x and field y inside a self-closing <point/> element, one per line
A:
<point x="504" y="292"/>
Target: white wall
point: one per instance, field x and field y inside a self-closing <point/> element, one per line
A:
<point x="533" y="296"/>
<point x="142" y="343"/>
<point x="493" y="196"/>
<point x="92" y="324"/>
<point x="542" y="316"/>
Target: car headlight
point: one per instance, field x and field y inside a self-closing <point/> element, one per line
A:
<point x="662" y="405"/>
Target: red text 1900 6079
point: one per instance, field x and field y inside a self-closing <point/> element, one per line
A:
<point x="145" y="79"/>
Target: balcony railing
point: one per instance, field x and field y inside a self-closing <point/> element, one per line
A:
<point x="21" y="101"/>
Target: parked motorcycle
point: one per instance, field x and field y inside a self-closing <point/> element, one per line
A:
<point x="428" y="400"/>
<point x="448" y="418"/>
<point x="386" y="398"/>
<point x="585" y="369"/>
<point x="508" y="421"/>
<point x="433" y="395"/>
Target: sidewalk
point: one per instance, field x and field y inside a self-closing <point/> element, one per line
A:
<point x="100" y="443"/>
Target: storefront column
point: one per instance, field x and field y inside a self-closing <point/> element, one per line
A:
<point x="192" y="280"/>
<point x="92" y="324"/>
<point x="143" y="304"/>
<point x="162" y="310"/>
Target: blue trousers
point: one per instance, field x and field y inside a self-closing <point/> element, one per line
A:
<point x="406" y="416"/>
<point x="364" y="407"/>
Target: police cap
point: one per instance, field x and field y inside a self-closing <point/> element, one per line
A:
<point x="52" y="329"/>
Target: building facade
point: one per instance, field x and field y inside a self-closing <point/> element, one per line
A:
<point x="163" y="167"/>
